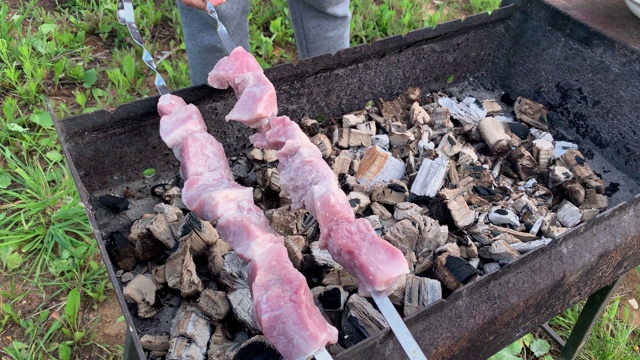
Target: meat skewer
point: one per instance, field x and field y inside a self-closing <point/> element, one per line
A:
<point x="353" y="243"/>
<point x="283" y="304"/>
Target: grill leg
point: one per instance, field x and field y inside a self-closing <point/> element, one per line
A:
<point x="129" y="348"/>
<point x="593" y="309"/>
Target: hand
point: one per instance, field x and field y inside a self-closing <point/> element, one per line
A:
<point x="200" y="4"/>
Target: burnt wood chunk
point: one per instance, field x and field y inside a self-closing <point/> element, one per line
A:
<point x="145" y="244"/>
<point x="219" y="345"/>
<point x="543" y="152"/>
<point x="441" y="273"/>
<point x="340" y="277"/>
<point x="593" y="200"/>
<point x="309" y="126"/>
<point x="234" y="274"/>
<point x="157" y="344"/>
<point x="201" y="233"/>
<point x="215" y="257"/>
<point x="333" y="298"/>
<point x="161" y="230"/>
<point x="491" y="106"/>
<point x="380" y="210"/>
<point x="403" y="235"/>
<point x="460" y="213"/>
<point x="391" y="193"/>
<point x="430" y="177"/>
<point x="122" y="251"/>
<point x="183" y="348"/>
<point x="255" y="155"/>
<point x="341" y="137"/>
<point x="282" y="220"/>
<point x="295" y="244"/>
<point x="378" y="166"/>
<point x="352" y="120"/>
<point x="114" y="203"/>
<point x="574" y="192"/>
<point x="522" y="236"/>
<point x="240" y="301"/>
<point x="341" y="163"/>
<point x="397" y="296"/>
<point x="214" y="304"/>
<point x="256" y="348"/>
<point x="531" y="113"/>
<point x="558" y="175"/>
<point x="577" y="163"/>
<point x="359" y="202"/>
<point x="180" y="271"/>
<point x="158" y="276"/>
<point x="523" y="163"/>
<point x="322" y="257"/>
<point x="323" y="143"/>
<point x="142" y="291"/>
<point x="397" y="109"/>
<point x="190" y="333"/>
<point x="449" y="145"/>
<point x="520" y="130"/>
<point x="502" y="252"/>
<point x="359" y="138"/>
<point x="408" y="210"/>
<point x="461" y="269"/>
<point x="360" y="320"/>
<point x="420" y="292"/>
<point x="494" y="135"/>
<point x="367" y="128"/>
<point x="419" y="116"/>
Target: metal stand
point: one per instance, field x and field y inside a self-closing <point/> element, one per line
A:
<point x="593" y="309"/>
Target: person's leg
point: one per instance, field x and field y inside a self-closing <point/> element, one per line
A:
<point x="204" y="47"/>
<point x="320" y="26"/>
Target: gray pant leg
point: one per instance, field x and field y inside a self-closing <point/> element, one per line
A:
<point x="204" y="47"/>
<point x="320" y="26"/>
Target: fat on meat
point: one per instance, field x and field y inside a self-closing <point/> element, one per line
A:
<point x="249" y="238"/>
<point x="175" y="126"/>
<point x="284" y="308"/>
<point x="202" y="153"/>
<point x="169" y="103"/>
<point x="239" y="62"/>
<point x="377" y="264"/>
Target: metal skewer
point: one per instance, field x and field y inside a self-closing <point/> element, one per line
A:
<point x="397" y="325"/>
<point x="126" y="16"/>
<point x="220" y="28"/>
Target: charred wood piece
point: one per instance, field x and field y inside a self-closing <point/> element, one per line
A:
<point x="531" y="113"/>
<point x="214" y="304"/>
<point x="378" y="166"/>
<point x="430" y="177"/>
<point x="360" y="320"/>
<point x="122" y="251"/>
<point x="142" y="291"/>
<point x="494" y="135"/>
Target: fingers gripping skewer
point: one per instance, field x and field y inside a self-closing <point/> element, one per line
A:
<point x="126" y="17"/>
<point x="220" y="28"/>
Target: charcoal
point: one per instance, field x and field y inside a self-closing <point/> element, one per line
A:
<point x="122" y="251"/>
<point x="461" y="269"/>
<point x="114" y="203"/>
<point x="520" y="130"/>
<point x="256" y="348"/>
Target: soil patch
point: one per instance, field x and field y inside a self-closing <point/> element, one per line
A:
<point x="110" y="331"/>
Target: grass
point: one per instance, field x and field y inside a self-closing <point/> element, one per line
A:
<point x="78" y="56"/>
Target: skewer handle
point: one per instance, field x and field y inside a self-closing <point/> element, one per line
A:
<point x="322" y="355"/>
<point x="220" y="28"/>
<point x="398" y="326"/>
<point x="126" y="17"/>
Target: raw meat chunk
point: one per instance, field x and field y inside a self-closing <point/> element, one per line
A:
<point x="169" y="103"/>
<point x="248" y="238"/>
<point x="376" y="264"/>
<point x="212" y="196"/>
<point x="180" y="123"/>
<point x="257" y="101"/>
<point x="202" y="153"/>
<point x="239" y="62"/>
<point x="284" y="308"/>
